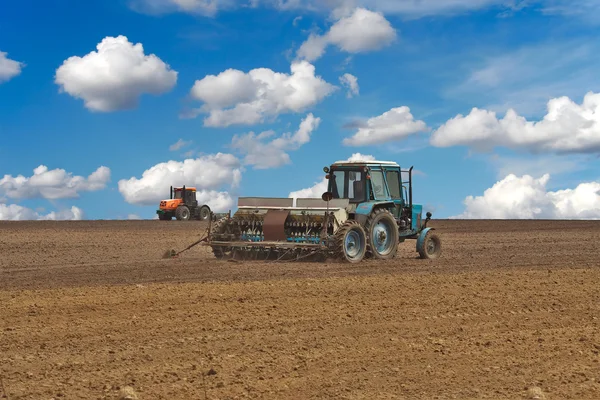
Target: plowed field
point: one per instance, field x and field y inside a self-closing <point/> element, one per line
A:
<point x="91" y="310"/>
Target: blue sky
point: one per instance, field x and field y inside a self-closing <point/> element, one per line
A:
<point x="426" y="64"/>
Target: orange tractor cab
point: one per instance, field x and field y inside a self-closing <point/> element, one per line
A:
<point x="182" y="204"/>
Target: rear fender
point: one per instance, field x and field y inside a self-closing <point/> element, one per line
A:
<point x="363" y="210"/>
<point x="421" y="238"/>
<point x="368" y="207"/>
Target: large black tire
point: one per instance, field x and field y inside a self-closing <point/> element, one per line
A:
<point x="204" y="213"/>
<point x="382" y="235"/>
<point x="182" y="213"/>
<point x="164" y="217"/>
<point x="350" y="242"/>
<point x="432" y="246"/>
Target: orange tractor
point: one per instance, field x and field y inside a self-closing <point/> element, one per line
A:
<point x="182" y="205"/>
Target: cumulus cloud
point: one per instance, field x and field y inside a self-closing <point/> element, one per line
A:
<point x="237" y="98"/>
<point x="9" y="68"/>
<point x="320" y="187"/>
<point x="52" y="184"/>
<point x="393" y="125"/>
<point x="567" y="127"/>
<point x="526" y="197"/>
<point x="360" y="31"/>
<point x="178" y="145"/>
<point x="351" y="82"/>
<point x="115" y="76"/>
<point x="15" y="212"/>
<point x="272" y="154"/>
<point x="209" y="174"/>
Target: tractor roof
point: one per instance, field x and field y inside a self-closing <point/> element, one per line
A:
<point x="193" y="189"/>
<point x="367" y="162"/>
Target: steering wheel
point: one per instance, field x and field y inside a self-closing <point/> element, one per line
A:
<point x="377" y="188"/>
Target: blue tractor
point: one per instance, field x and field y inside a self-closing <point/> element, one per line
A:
<point x="366" y="212"/>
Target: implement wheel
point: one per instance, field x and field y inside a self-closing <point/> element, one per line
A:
<point x="350" y="242"/>
<point x="382" y="235"/>
<point x="431" y="247"/>
<point x="182" y="213"/>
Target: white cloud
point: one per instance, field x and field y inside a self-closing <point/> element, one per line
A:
<point x="273" y="154"/>
<point x="526" y="197"/>
<point x="179" y="145"/>
<point x="395" y="124"/>
<point x="15" y="212"/>
<point x="361" y="31"/>
<point x="115" y="76"/>
<point x="133" y="217"/>
<point x="208" y="174"/>
<point x="53" y="184"/>
<point x="566" y="127"/>
<point x="9" y="68"/>
<point x="314" y="191"/>
<point x="351" y="82"/>
<point x="237" y="98"/>
<point x="320" y="187"/>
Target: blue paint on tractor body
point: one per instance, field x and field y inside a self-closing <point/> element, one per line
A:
<point x="367" y="207"/>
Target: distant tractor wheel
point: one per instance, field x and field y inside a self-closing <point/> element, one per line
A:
<point x="350" y="242"/>
<point x="182" y="213"/>
<point x="164" y="217"/>
<point x="431" y="247"/>
<point x="204" y="213"/>
<point x="382" y="235"/>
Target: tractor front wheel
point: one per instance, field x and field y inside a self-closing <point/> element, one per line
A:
<point x="431" y="247"/>
<point x="382" y="235"/>
<point x="182" y="213"/>
<point x="350" y="242"/>
<point x="164" y="217"/>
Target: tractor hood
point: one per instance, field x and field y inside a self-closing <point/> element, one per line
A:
<point x="170" y="203"/>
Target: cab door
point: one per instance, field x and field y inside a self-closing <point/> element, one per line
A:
<point x="394" y="182"/>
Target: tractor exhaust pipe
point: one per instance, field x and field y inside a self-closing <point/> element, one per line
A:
<point x="410" y="196"/>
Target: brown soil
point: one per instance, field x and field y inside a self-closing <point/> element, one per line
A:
<point x="90" y="309"/>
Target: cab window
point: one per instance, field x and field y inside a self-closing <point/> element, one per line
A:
<point x="378" y="185"/>
<point x="393" y="180"/>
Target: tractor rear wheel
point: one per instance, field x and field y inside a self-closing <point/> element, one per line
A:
<point x="182" y="213"/>
<point x="350" y="242"/>
<point x="431" y="247"/>
<point x="382" y="235"/>
<point x="204" y="213"/>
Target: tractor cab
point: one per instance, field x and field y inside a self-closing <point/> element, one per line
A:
<point x="375" y="184"/>
<point x="187" y="195"/>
